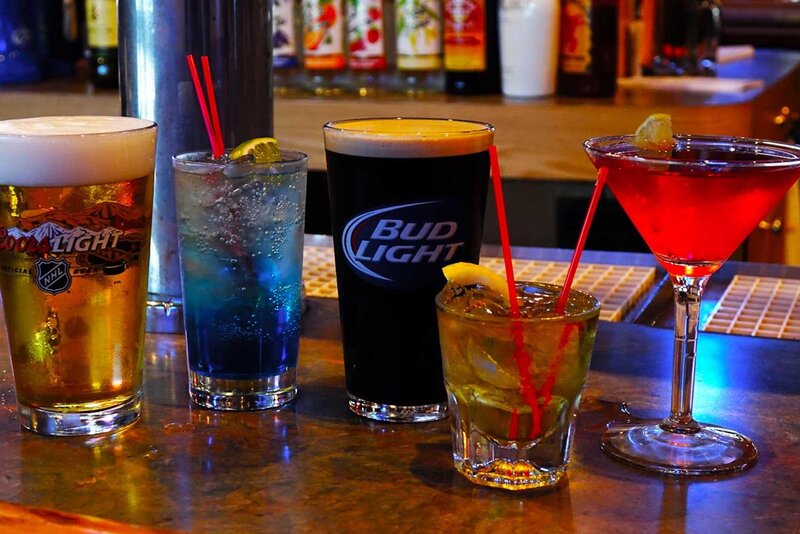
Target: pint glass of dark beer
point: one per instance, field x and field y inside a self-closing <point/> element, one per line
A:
<point x="75" y="209"/>
<point x="407" y="198"/>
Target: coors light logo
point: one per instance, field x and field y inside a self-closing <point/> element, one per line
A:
<point x="405" y="245"/>
<point x="105" y="238"/>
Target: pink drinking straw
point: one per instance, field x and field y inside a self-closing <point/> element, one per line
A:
<point x="522" y="358"/>
<point x="216" y="143"/>
<point x="576" y="256"/>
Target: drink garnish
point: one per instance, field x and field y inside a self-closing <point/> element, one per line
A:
<point x="262" y="149"/>
<point x="470" y="274"/>
<point x="654" y="136"/>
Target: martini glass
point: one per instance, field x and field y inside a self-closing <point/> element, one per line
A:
<point x="693" y="208"/>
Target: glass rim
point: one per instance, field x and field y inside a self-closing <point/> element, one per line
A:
<point x="336" y="125"/>
<point x="603" y="147"/>
<point x="61" y="136"/>
<point x="500" y="319"/>
<point x="182" y="159"/>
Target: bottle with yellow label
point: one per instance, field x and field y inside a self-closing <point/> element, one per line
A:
<point x="101" y="42"/>
<point x="471" y="50"/>
<point x="418" y="33"/>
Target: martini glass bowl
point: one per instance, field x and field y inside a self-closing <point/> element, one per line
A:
<point x="693" y="208"/>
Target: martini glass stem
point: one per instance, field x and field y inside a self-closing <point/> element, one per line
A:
<point x="688" y="291"/>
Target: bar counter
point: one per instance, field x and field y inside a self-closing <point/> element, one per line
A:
<point x="315" y="467"/>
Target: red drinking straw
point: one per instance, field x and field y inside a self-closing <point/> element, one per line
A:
<point x="502" y="222"/>
<point x="576" y="256"/>
<point x="212" y="102"/>
<point x="522" y="358"/>
<point x="217" y="148"/>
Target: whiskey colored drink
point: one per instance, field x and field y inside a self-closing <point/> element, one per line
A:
<point x="514" y="385"/>
<point x="75" y="210"/>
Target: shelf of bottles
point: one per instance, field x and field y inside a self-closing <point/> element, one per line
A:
<point x="458" y="47"/>
<point x="518" y="48"/>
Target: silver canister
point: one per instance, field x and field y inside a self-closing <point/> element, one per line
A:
<point x="155" y="84"/>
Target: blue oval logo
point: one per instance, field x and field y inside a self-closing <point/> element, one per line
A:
<point x="405" y="245"/>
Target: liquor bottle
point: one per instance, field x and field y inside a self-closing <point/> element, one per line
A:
<point x="687" y="34"/>
<point x="588" y="48"/>
<point x="529" y="47"/>
<point x="366" y="42"/>
<point x="634" y="38"/>
<point x="286" y="71"/>
<point x="101" y="41"/>
<point x="419" y="46"/>
<point x="58" y="35"/>
<point x="471" y="49"/>
<point x="323" y="46"/>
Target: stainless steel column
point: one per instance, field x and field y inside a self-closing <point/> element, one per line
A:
<point x="154" y="39"/>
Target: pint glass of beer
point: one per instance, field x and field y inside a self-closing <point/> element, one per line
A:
<point x="407" y="198"/>
<point x="75" y="206"/>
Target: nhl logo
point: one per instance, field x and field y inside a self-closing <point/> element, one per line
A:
<point x="52" y="276"/>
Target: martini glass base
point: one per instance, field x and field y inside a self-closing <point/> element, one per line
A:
<point x="708" y="451"/>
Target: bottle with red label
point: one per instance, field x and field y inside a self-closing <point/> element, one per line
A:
<point x="366" y="42"/>
<point x="418" y="27"/>
<point x="471" y="50"/>
<point x="323" y="46"/>
<point x="588" y="48"/>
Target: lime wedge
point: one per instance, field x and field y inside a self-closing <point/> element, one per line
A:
<point x="263" y="150"/>
<point x="468" y="274"/>
<point x="655" y="134"/>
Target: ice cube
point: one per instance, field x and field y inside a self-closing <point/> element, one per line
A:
<point x="487" y="367"/>
<point x="537" y="302"/>
<point x="480" y="301"/>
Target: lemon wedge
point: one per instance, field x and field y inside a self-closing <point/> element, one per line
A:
<point x="655" y="134"/>
<point x="468" y="274"/>
<point x="263" y="150"/>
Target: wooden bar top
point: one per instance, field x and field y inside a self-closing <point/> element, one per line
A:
<point x="315" y="467"/>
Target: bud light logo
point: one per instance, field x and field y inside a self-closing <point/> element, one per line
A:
<point x="52" y="276"/>
<point x="406" y="245"/>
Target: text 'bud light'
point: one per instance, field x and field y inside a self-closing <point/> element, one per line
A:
<point x="405" y="245"/>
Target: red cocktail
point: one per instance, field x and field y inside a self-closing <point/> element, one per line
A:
<point x="693" y="207"/>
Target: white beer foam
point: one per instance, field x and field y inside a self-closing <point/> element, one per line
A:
<point x="66" y="151"/>
<point x="407" y="138"/>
